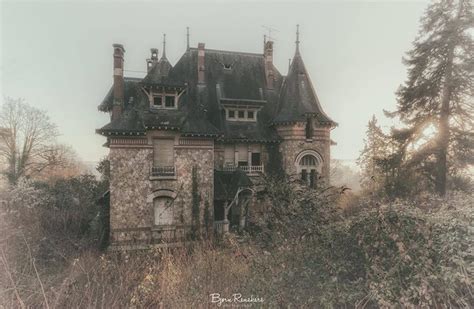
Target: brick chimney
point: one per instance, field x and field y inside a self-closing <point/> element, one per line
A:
<point x="153" y="59"/>
<point x="201" y="67"/>
<point x="118" y="81"/>
<point x="268" y="55"/>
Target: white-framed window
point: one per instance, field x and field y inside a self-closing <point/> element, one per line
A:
<point x="158" y="101"/>
<point x="239" y="114"/>
<point x="164" y="100"/>
<point x="309" y="168"/>
<point x="170" y="101"/>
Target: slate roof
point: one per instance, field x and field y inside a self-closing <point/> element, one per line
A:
<point x="297" y="97"/>
<point x="232" y="78"/>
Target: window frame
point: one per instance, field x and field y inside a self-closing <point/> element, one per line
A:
<point x="164" y="97"/>
<point x="167" y="96"/>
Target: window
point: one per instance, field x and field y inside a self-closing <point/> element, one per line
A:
<point x="157" y="100"/>
<point x="163" y="211"/>
<point x="241" y="114"/>
<point x="163" y="153"/>
<point x="227" y="66"/>
<point x="169" y="101"/>
<point x="256" y="159"/>
<point x="308" y="168"/>
<point x="308" y="160"/>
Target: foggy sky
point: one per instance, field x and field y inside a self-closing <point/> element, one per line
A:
<point x="58" y="55"/>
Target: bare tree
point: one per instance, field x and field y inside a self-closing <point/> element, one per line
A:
<point x="27" y="140"/>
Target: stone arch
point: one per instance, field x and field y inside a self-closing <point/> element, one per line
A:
<point x="162" y="205"/>
<point x="160" y="193"/>
<point x="309" y="166"/>
<point x="312" y="153"/>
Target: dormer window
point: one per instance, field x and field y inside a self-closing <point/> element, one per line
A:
<point x="227" y="66"/>
<point x="170" y="101"/>
<point x="158" y="101"/>
<point x="240" y="114"/>
<point x="163" y="100"/>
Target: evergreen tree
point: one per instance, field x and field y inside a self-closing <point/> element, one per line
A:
<point x="375" y="150"/>
<point x="438" y="92"/>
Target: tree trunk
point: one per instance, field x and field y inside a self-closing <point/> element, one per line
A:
<point x="443" y="142"/>
<point x="444" y="129"/>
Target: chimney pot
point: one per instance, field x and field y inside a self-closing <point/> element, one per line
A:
<point x="268" y="58"/>
<point x="201" y="64"/>
<point x="118" y="89"/>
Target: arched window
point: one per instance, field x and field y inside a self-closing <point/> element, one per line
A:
<point x="308" y="160"/>
<point x="309" y="169"/>
<point x="163" y="210"/>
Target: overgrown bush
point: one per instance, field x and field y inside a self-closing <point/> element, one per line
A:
<point x="302" y="251"/>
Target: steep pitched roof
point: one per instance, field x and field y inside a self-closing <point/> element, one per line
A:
<point x="159" y="74"/>
<point x="231" y="79"/>
<point x="297" y="97"/>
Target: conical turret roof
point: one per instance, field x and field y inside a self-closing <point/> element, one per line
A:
<point x="298" y="99"/>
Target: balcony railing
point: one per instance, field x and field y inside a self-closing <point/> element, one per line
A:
<point x="163" y="171"/>
<point x="250" y="169"/>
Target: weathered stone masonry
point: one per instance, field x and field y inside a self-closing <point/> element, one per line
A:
<point x="132" y="188"/>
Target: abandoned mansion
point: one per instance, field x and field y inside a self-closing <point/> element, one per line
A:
<point x="188" y="142"/>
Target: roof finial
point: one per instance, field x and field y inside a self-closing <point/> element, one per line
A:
<point x="297" y="37"/>
<point x="164" y="46"/>
<point x="187" y="37"/>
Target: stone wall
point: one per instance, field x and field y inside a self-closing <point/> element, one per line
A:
<point x="294" y="142"/>
<point x="132" y="189"/>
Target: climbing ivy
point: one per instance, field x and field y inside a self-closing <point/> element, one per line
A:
<point x="196" y="201"/>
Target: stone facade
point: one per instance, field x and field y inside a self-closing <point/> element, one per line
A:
<point x="185" y="139"/>
<point x="133" y="189"/>
<point x="295" y="144"/>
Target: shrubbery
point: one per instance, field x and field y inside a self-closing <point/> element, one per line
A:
<point x="301" y="251"/>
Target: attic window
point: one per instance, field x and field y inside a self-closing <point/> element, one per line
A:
<point x="163" y="100"/>
<point x="170" y="101"/>
<point x="158" y="101"/>
<point x="240" y="114"/>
